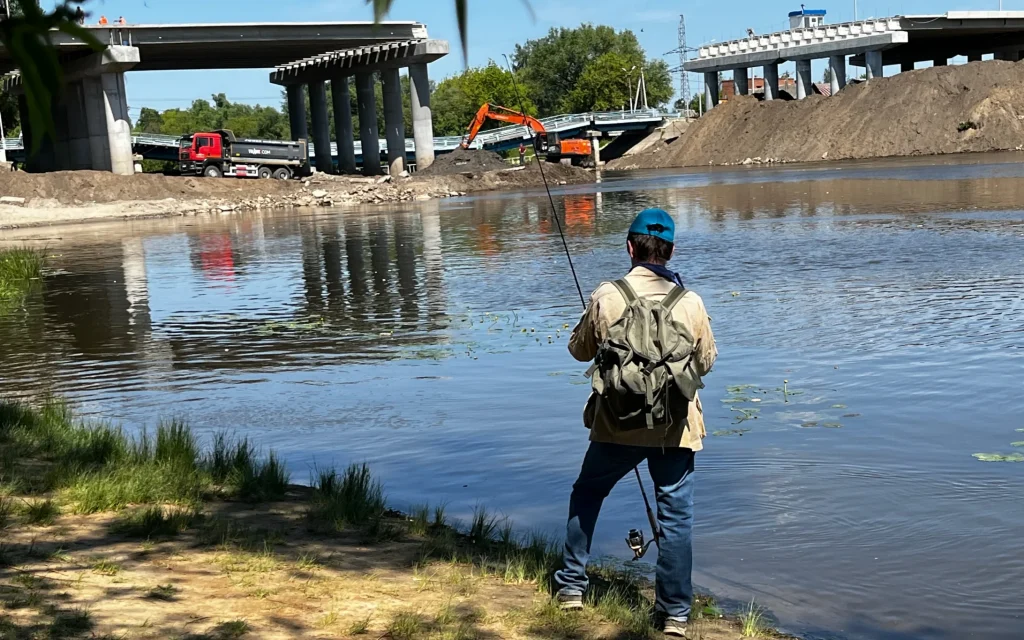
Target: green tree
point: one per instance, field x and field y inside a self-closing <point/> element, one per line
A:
<point x="555" y="69"/>
<point x="457" y="99"/>
<point x="149" y="121"/>
<point x="246" y="121"/>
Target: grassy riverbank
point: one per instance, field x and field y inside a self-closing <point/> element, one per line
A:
<point x="20" y="273"/>
<point x="108" y="536"/>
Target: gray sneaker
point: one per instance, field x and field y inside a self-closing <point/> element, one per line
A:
<point x="675" y="628"/>
<point x="569" y="601"/>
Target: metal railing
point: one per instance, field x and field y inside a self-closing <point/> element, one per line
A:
<point x="442" y="143"/>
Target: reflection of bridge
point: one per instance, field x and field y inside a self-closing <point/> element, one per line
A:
<point x="154" y="146"/>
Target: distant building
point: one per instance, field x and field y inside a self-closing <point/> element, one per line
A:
<point x="806" y="18"/>
<point x="756" y="85"/>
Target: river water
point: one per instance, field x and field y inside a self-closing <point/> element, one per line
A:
<point x="429" y="341"/>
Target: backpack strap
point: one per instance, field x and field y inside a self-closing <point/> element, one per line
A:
<point x="626" y="290"/>
<point x="673" y="297"/>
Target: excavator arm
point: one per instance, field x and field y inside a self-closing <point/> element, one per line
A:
<point x="495" y="112"/>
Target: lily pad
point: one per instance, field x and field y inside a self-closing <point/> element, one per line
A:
<point x="998" y="457"/>
<point x="809" y="424"/>
<point x="740" y="388"/>
<point x="1017" y="444"/>
<point x="832" y="425"/>
<point x="839" y="406"/>
<point x="1020" y="430"/>
<point x="735" y="400"/>
<point x="851" y="415"/>
<point x="730" y="432"/>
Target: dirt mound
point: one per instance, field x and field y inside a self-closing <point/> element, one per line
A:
<point x="974" y="107"/>
<point x="80" y="187"/>
<point x="465" y="161"/>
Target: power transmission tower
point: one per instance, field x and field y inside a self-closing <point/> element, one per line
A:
<point x="684" y="53"/>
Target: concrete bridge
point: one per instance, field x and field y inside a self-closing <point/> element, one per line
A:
<point x="165" y="147"/>
<point x="91" y="115"/>
<point x="872" y="44"/>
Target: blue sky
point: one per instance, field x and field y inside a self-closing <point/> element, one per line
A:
<point x="495" y="28"/>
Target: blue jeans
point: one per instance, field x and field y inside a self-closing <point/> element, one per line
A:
<point x="672" y="471"/>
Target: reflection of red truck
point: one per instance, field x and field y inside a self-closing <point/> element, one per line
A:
<point x="219" y="153"/>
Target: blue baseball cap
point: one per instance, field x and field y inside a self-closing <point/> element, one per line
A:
<point x="654" y="222"/>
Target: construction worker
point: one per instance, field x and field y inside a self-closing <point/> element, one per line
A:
<point x="665" y="428"/>
<point x="103" y="20"/>
<point x="121" y="20"/>
<point x="522" y="154"/>
<point x="79" y="15"/>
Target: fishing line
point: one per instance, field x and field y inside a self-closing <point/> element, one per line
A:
<point x="544" y="179"/>
<point x="638" y="549"/>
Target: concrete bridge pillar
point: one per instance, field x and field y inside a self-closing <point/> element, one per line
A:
<point x="1010" y="55"/>
<point x="741" y="78"/>
<point x="873" y="62"/>
<point x="973" y="57"/>
<point x="394" y="122"/>
<point x="771" y="81"/>
<point x="803" y="79"/>
<point x="710" y="90"/>
<point x="906" y="66"/>
<point x="837" y="73"/>
<point x="345" y="138"/>
<point x="91" y="129"/>
<point x="366" y="102"/>
<point x="940" y="62"/>
<point x="422" y="117"/>
<point x="321" y="126"/>
<point x="297" y="112"/>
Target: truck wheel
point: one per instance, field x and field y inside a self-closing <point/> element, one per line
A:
<point x="264" y="173"/>
<point x="212" y="171"/>
<point x="282" y="174"/>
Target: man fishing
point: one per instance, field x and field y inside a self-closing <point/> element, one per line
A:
<point x="651" y="342"/>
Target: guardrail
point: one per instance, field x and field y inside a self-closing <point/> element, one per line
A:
<point x="443" y="143"/>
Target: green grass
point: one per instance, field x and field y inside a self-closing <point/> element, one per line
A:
<point x="230" y="630"/>
<point x="405" y="625"/>
<point x="752" y="621"/>
<point x="153" y="522"/>
<point x="6" y="509"/>
<point x="353" y="499"/>
<point x="21" y="271"/>
<point x="41" y="512"/>
<point x="419" y="520"/>
<point x="106" y="567"/>
<point x="359" y="627"/>
<point x="164" y="592"/>
<point x="97" y="467"/>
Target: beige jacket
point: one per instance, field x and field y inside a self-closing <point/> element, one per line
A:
<point x="606" y="306"/>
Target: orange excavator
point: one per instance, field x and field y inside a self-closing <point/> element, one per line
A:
<point x="555" y="149"/>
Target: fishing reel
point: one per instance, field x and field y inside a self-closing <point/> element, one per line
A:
<point x="636" y="543"/>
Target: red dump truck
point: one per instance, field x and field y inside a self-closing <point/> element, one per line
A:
<point x="217" y="154"/>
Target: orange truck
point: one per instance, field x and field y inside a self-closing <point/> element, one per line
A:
<point x="555" y="149"/>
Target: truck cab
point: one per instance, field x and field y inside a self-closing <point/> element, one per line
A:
<point x="198" y="150"/>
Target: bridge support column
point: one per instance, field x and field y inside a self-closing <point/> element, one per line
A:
<point x="771" y="81"/>
<point x="394" y="123"/>
<point x="321" y="126"/>
<point x="342" y="103"/>
<point x="803" y="79"/>
<point x="873" y="62"/>
<point x="710" y="90"/>
<point x="422" y="117"/>
<point x="940" y="62"/>
<point x="973" y="57"/>
<point x="1010" y="55"/>
<point x="837" y="73"/>
<point x="369" y="136"/>
<point x="297" y="112"/>
<point x="741" y="79"/>
<point x="906" y="66"/>
<point x="119" y="131"/>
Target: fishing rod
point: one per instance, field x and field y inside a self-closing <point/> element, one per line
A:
<point x="635" y="539"/>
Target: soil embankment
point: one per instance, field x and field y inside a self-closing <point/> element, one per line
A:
<point x="78" y="196"/>
<point x="940" y="110"/>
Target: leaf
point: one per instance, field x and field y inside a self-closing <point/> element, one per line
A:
<point x="998" y="457"/>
